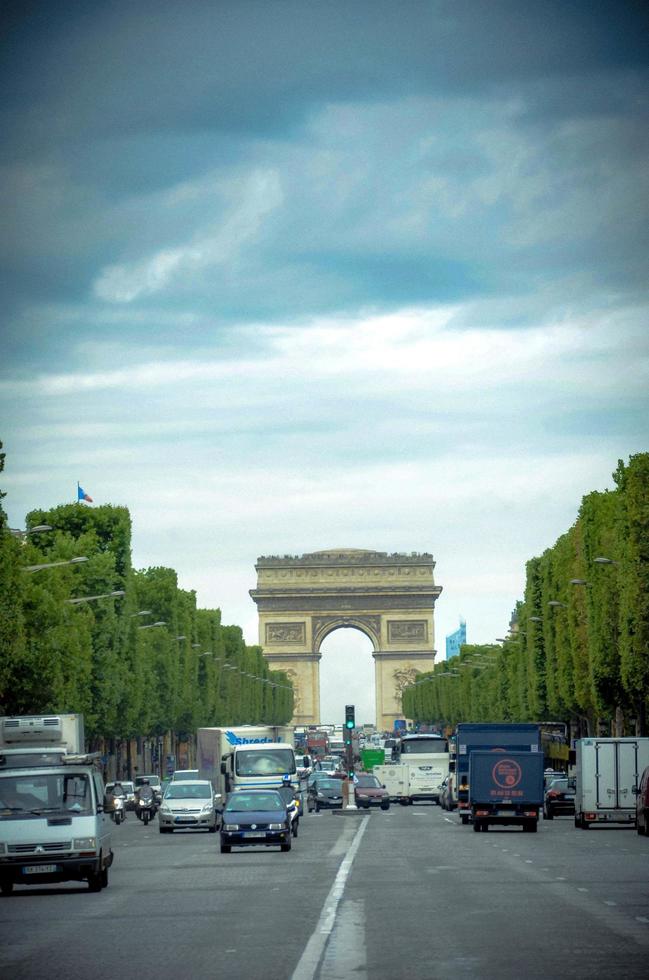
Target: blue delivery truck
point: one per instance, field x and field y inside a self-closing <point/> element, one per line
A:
<point x="489" y="737"/>
<point x="505" y="788"/>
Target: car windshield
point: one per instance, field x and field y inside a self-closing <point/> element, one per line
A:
<point x="151" y="780"/>
<point x="188" y="791"/>
<point x="179" y="775"/>
<point x="248" y="802"/>
<point x="368" y="782"/>
<point x="264" y="762"/>
<point x="34" y="794"/>
<point x="329" y="784"/>
<point x="128" y="787"/>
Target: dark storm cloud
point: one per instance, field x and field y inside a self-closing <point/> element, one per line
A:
<point x="359" y="154"/>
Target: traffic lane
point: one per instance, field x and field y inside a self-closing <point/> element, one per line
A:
<point x="176" y="902"/>
<point x="480" y="906"/>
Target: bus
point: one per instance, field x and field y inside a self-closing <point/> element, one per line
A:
<point x="427" y="759"/>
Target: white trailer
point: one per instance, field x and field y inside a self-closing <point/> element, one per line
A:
<point x="395" y="780"/>
<point x="608" y="773"/>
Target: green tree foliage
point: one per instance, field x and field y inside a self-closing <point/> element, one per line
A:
<point x="579" y="647"/>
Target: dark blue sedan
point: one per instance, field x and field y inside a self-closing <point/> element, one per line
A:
<point x="255" y="818"/>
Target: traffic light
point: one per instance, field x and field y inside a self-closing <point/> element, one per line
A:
<point x="350" y="719"/>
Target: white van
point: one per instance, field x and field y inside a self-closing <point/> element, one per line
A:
<point x="54" y="819"/>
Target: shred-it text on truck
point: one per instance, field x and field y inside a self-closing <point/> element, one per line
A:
<point x="54" y="812"/>
<point x="471" y="737"/>
<point x="246" y="756"/>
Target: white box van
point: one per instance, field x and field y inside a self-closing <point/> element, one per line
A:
<point x="608" y="774"/>
<point x="54" y="814"/>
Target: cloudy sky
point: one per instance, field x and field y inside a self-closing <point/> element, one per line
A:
<point x="284" y="276"/>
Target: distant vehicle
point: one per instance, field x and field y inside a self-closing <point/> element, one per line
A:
<point x="427" y="759"/>
<point x="246" y="756"/>
<point x="325" y="794"/>
<point x="608" y="771"/>
<point x="330" y="765"/>
<point x="188" y="803"/>
<point x="255" y="818"/>
<point x="505" y="788"/>
<point x="318" y="776"/>
<point x="446" y="796"/>
<point x="550" y="775"/>
<point x="181" y="774"/>
<point x="368" y="791"/>
<point x="303" y="766"/>
<point x="642" y="804"/>
<point x="559" y="798"/>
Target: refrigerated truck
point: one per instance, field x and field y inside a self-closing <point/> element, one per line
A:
<point x="253" y="756"/>
<point x="608" y="772"/>
<point x="505" y="788"/>
<point x="491" y="737"/>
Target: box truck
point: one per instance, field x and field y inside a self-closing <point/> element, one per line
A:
<point x="505" y="788"/>
<point x="492" y="737"/>
<point x="247" y="755"/>
<point x="608" y="772"/>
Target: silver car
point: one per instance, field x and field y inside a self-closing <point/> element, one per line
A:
<point x="188" y="803"/>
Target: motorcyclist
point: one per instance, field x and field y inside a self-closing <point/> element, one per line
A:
<point x="144" y="793"/>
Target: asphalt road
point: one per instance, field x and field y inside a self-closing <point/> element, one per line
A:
<point x="405" y="894"/>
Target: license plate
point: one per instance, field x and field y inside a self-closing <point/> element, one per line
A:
<point x="41" y="869"/>
<point x="250" y="833"/>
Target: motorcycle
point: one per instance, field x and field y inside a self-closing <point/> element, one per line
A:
<point x="146" y="808"/>
<point x="118" y="813"/>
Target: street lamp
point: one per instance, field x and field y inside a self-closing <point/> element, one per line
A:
<point x="604" y="561"/>
<point x="91" y="598"/>
<point x="17" y="533"/>
<point x="557" y="604"/>
<point x="535" y="619"/>
<point x="150" y="626"/>
<point x="54" y="564"/>
<point x="181" y="637"/>
<point x="143" y="612"/>
<point x="578" y="581"/>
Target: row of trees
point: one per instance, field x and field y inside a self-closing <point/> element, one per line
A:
<point x="578" y="646"/>
<point x="104" y="657"/>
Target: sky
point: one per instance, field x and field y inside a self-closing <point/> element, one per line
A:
<point x="288" y="276"/>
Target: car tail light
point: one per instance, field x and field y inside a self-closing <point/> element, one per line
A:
<point x="554" y="793"/>
<point x="590" y="816"/>
<point x="463" y="805"/>
<point x="529" y="813"/>
<point x="482" y="813"/>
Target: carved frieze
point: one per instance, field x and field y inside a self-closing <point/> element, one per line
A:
<point x="285" y="633"/>
<point x="407" y="631"/>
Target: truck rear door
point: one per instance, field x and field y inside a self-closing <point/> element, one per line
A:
<point x="628" y="775"/>
<point x="605" y="775"/>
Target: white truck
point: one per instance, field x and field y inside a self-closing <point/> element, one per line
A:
<point x="395" y="780"/>
<point x="246" y="755"/>
<point x="608" y="772"/>
<point x="54" y="812"/>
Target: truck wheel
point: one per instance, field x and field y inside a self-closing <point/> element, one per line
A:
<point x="104" y="878"/>
<point x="477" y="826"/>
<point x="464" y="818"/>
<point x="94" y="881"/>
<point x="385" y="806"/>
<point x="485" y="827"/>
<point x="6" y="887"/>
<point x="548" y="815"/>
<point x="403" y="802"/>
<point x="225" y="848"/>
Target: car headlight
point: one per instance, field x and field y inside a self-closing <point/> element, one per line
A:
<point x="230" y="826"/>
<point x="165" y="808"/>
<point x="277" y="826"/>
<point x="85" y="844"/>
<point x="207" y="808"/>
<point x="320" y="796"/>
<point x="361" y="796"/>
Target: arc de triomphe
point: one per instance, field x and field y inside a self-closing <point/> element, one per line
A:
<point x="388" y="597"/>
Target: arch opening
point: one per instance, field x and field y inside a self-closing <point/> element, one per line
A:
<point x="347" y="675"/>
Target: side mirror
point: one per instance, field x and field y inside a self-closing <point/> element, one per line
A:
<point x="224" y="769"/>
<point x="383" y="786"/>
<point x="635" y="790"/>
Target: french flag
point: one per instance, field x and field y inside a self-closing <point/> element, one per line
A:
<point x="82" y="495"/>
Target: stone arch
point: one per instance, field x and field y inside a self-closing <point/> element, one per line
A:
<point x="388" y="597"/>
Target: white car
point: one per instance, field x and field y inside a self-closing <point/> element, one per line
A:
<point x="188" y="803"/>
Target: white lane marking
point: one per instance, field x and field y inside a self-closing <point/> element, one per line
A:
<point x="448" y="820"/>
<point x="582" y="889"/>
<point x="610" y="903"/>
<point x="308" y="964"/>
<point x="641" y="918"/>
<point x="529" y="862"/>
<point x="346" y="954"/>
<point x="561" y="879"/>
